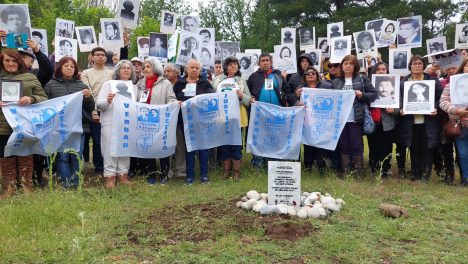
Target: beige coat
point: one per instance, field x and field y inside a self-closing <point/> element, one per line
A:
<point x="162" y="92"/>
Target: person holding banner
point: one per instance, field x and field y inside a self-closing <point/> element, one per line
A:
<point x="12" y="168"/>
<point x="460" y="113"/>
<point x="160" y="92"/>
<point x="380" y="142"/>
<point x="420" y="133"/>
<point x="350" y="142"/>
<point x="231" y="80"/>
<point x="191" y="85"/>
<point x="267" y="85"/>
<point x="113" y="167"/>
<point x="67" y="81"/>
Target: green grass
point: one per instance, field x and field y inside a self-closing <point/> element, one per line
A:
<point x="200" y="224"/>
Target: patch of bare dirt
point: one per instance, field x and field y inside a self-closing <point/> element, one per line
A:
<point x="289" y="231"/>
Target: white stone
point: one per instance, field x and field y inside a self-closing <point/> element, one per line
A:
<point x="252" y="194"/>
<point x="256" y="208"/>
<point x="332" y="207"/>
<point x="340" y="202"/>
<point x="313" y="212"/>
<point x="239" y="204"/>
<point x="247" y="205"/>
<point x="291" y="211"/>
<point x="302" y="213"/>
<point x="327" y="199"/>
<point x="268" y="209"/>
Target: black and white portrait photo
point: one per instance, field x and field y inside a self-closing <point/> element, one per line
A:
<point x="461" y="36"/>
<point x="229" y="49"/>
<point x="388" y="90"/>
<point x="365" y="44"/>
<point x="322" y="44"/>
<point x="376" y="26"/>
<point x="246" y="66"/>
<point x="388" y="33"/>
<point x="410" y="32"/>
<point x="168" y="22"/>
<point x="190" y="23"/>
<point x="128" y="12"/>
<point x="14" y="18"/>
<point x="112" y="32"/>
<point x="340" y="47"/>
<point x="334" y="30"/>
<point x="288" y="36"/>
<point x="418" y="97"/>
<point x="315" y="56"/>
<point x="143" y="47"/>
<point x="11" y="90"/>
<point x="189" y="47"/>
<point x="399" y="60"/>
<point x="207" y="43"/>
<point x="86" y="37"/>
<point x="255" y="54"/>
<point x="158" y="46"/>
<point x="124" y="88"/>
<point x="459" y="89"/>
<point x="40" y="37"/>
<point x="284" y="58"/>
<point x="64" y="28"/>
<point x="65" y="47"/>
<point x="435" y="45"/>
<point x="307" y="37"/>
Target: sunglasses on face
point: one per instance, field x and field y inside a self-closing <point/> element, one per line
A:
<point x="310" y="73"/>
<point x="336" y="65"/>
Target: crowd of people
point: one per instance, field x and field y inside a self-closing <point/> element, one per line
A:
<point x="156" y="84"/>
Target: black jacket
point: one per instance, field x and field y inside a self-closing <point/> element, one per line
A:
<point x="294" y="100"/>
<point x="257" y="80"/>
<point x="45" y="71"/>
<point x="296" y="79"/>
<point x="432" y="124"/>
<point x="369" y="94"/>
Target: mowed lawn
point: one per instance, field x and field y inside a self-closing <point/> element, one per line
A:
<point x="176" y="223"/>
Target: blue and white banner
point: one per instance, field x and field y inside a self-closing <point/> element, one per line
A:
<point x="143" y="130"/>
<point x="44" y="128"/>
<point x="212" y="120"/>
<point x="326" y="114"/>
<point x="274" y="131"/>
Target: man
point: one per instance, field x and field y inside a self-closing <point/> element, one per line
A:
<point x="37" y="37"/>
<point x="112" y="31"/>
<point x="218" y="68"/>
<point x="400" y="61"/>
<point x="66" y="48"/>
<point x="14" y="18"/>
<point x="409" y="31"/>
<point x="190" y="24"/>
<point x="95" y="78"/>
<point x="205" y="37"/>
<point x="168" y="20"/>
<point x="157" y="50"/>
<point x="138" y="65"/>
<point x="267" y="85"/>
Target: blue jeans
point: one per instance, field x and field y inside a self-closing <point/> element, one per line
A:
<point x="230" y="151"/>
<point x="190" y="163"/>
<point x="98" y="161"/>
<point x="462" y="145"/>
<point x="68" y="166"/>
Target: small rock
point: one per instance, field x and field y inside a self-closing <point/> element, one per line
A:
<point x="392" y="210"/>
<point x="239" y="204"/>
<point x="244" y="199"/>
<point x="302" y="214"/>
<point x="253" y="195"/>
<point x="340" y="201"/>
<point x="268" y="209"/>
<point x="247" y="205"/>
<point x="313" y="212"/>
<point x="256" y="208"/>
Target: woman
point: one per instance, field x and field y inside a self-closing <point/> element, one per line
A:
<point x="67" y="81"/>
<point x="12" y="67"/>
<point x="388" y="37"/>
<point x="311" y="80"/>
<point x="350" y="142"/>
<point x="159" y="91"/>
<point x="113" y="167"/>
<point x="232" y="80"/>
<point x="188" y="87"/>
<point x="420" y="133"/>
<point x="459" y="112"/>
<point x="380" y="142"/>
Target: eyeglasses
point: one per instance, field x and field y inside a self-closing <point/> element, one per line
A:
<point x="417" y="63"/>
<point x="335" y="65"/>
<point x="312" y="73"/>
<point x="126" y="68"/>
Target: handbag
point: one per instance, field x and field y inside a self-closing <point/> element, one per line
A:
<point x="452" y="128"/>
<point x="369" y="124"/>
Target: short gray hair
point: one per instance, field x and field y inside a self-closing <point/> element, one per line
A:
<point x="173" y="67"/>
<point x="157" y="67"/>
<point x="118" y="66"/>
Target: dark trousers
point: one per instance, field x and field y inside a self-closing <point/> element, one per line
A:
<point x="230" y="151"/>
<point x="351" y="140"/>
<point x="380" y="147"/>
<point x="98" y="161"/>
<point x="421" y="155"/>
<point x="86" y="147"/>
<point x="444" y="159"/>
<point x="314" y="154"/>
<point x="190" y="161"/>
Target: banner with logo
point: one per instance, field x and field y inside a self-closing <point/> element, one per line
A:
<point x="143" y="130"/>
<point x="274" y="131"/>
<point x="326" y="113"/>
<point x="212" y="120"/>
<point x="46" y="127"/>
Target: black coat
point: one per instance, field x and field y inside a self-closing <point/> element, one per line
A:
<point x="369" y="94"/>
<point x="293" y="99"/>
<point x="257" y="80"/>
<point x="45" y="71"/>
<point x="432" y="124"/>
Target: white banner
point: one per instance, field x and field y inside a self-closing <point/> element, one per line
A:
<point x="274" y="131"/>
<point x="326" y="114"/>
<point x="212" y="120"/>
<point x="143" y="130"/>
<point x="46" y="127"/>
